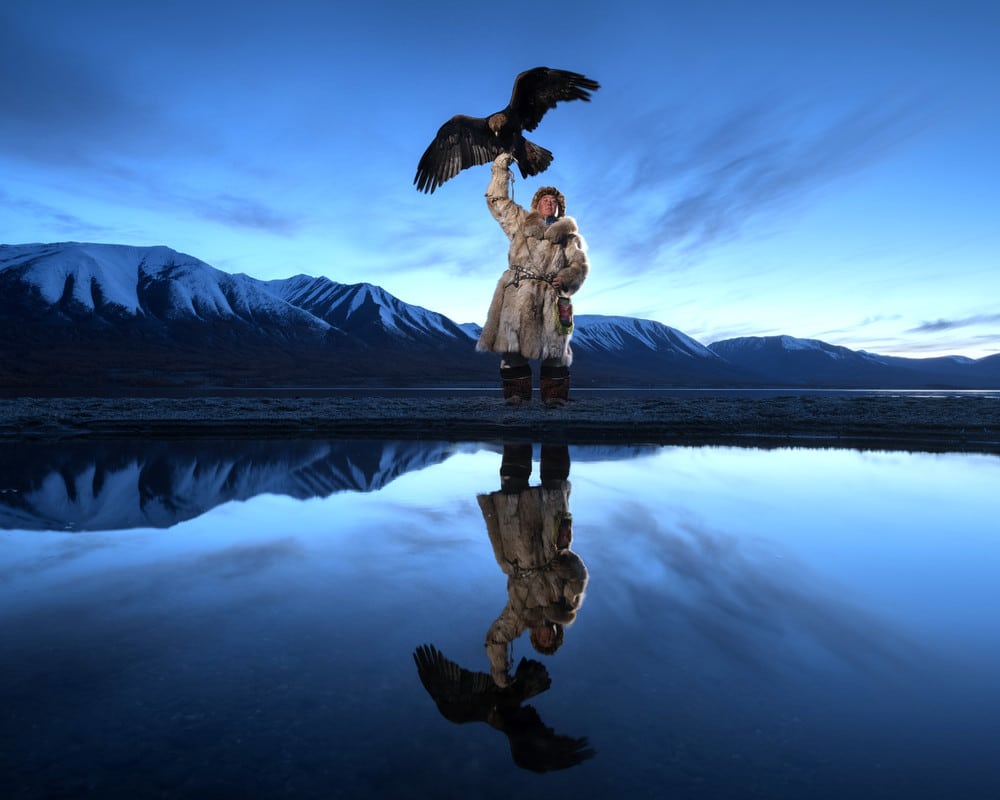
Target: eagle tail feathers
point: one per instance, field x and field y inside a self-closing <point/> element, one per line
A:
<point x="536" y="159"/>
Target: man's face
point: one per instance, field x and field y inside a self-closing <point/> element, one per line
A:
<point x="547" y="206"/>
<point x="545" y="635"/>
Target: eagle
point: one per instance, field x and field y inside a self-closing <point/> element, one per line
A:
<point x="464" y="142"/>
<point x="465" y="696"/>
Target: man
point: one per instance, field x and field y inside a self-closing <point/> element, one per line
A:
<point x="530" y="316"/>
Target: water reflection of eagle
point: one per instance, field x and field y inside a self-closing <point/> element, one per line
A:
<point x="531" y="531"/>
<point x="462" y="696"/>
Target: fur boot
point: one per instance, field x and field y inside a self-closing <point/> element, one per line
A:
<point x="555" y="386"/>
<point x="516" y="382"/>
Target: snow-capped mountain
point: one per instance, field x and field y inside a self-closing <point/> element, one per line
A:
<point x="647" y="353"/>
<point x="366" y="308"/>
<point x="121" y="485"/>
<point x="113" y="282"/>
<point x="598" y="333"/>
<point x="98" y="315"/>
<point x="789" y="361"/>
<point x="85" y="316"/>
<point x="776" y="357"/>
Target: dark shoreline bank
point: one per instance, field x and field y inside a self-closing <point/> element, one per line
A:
<point x="927" y="422"/>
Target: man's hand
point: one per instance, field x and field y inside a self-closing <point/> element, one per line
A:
<point x="500" y="677"/>
<point x="503" y="160"/>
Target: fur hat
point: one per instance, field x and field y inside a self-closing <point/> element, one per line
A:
<point x="552" y="190"/>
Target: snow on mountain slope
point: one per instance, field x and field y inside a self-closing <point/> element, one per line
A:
<point x="360" y="305"/>
<point x="793" y="344"/>
<point x="82" y="268"/>
<point x="596" y="332"/>
<point x="742" y="348"/>
<point x="143" y="282"/>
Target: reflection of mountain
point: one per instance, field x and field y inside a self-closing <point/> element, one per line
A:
<point x="117" y="485"/>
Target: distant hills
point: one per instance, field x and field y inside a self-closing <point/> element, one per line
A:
<point x="97" y="316"/>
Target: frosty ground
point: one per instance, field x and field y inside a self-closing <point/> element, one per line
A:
<point x="925" y="422"/>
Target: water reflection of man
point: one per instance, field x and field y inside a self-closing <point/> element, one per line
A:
<point x="531" y="530"/>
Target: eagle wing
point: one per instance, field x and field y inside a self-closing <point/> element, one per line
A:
<point x="539" y="89"/>
<point x="536" y="746"/>
<point x="460" y="694"/>
<point x="460" y="143"/>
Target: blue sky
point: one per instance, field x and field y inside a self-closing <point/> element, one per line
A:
<point x="822" y="170"/>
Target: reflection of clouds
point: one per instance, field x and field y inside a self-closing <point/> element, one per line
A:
<point x="93" y="628"/>
<point x="244" y="560"/>
<point x="750" y="604"/>
<point x="151" y="584"/>
<point x="64" y="553"/>
<point x="428" y="530"/>
<point x="98" y="647"/>
<point x="111" y="571"/>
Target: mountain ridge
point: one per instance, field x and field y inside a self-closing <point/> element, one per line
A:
<point x="84" y="314"/>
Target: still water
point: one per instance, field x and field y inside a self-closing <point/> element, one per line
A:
<point x="311" y="619"/>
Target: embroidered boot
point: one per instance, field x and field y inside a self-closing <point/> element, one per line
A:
<point x="516" y="382"/>
<point x="555" y="386"/>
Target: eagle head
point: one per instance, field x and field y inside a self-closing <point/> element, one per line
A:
<point x="497" y="122"/>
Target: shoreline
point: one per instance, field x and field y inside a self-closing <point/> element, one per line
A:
<point x="928" y="422"/>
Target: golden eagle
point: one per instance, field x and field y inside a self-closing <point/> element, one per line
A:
<point x="469" y="141"/>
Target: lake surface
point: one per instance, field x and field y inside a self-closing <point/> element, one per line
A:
<point x="240" y="619"/>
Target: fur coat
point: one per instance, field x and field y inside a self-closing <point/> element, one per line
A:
<point x="543" y="582"/>
<point x="522" y="317"/>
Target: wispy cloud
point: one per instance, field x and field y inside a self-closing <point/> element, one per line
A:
<point x="114" y="143"/>
<point x="57" y="219"/>
<point x="245" y="212"/>
<point x="62" y="108"/>
<point x="702" y="183"/>
<point x="719" y="334"/>
<point x="951" y="324"/>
